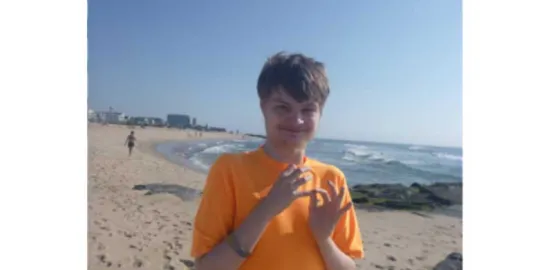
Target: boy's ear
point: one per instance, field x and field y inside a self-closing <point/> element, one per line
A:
<point x="262" y="106"/>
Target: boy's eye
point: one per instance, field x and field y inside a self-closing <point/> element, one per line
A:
<point x="309" y="110"/>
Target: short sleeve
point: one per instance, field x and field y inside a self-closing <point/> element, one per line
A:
<point x="214" y="219"/>
<point x="347" y="234"/>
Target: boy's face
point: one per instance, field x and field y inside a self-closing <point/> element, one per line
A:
<point x="288" y="122"/>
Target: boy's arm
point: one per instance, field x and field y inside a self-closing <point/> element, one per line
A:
<point x="334" y="257"/>
<point x="347" y="234"/>
<point x="345" y="243"/>
<point x="223" y="256"/>
<point x="215" y="221"/>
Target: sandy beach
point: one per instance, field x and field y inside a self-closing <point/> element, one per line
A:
<point x="128" y="229"/>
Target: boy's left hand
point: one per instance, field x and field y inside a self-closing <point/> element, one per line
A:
<point x="323" y="218"/>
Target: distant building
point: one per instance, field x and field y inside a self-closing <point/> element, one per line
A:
<point x="156" y="121"/>
<point x="147" y="121"/>
<point x="111" y="117"/>
<point x="217" y="129"/>
<point x="92" y="116"/>
<point x="194" y="121"/>
<point x="178" y="120"/>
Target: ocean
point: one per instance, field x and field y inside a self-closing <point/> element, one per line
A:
<point x="361" y="162"/>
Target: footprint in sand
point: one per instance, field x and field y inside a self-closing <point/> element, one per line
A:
<point x="137" y="263"/>
<point x="169" y="244"/>
<point x="188" y="263"/>
<point x="167" y="264"/>
<point x="103" y="259"/>
<point x="168" y="267"/>
<point x="421" y="258"/>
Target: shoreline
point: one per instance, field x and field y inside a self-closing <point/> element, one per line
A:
<point x="151" y="228"/>
<point x="157" y="144"/>
<point x="365" y="196"/>
<point x="182" y="161"/>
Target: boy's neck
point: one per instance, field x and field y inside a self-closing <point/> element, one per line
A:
<point x="284" y="155"/>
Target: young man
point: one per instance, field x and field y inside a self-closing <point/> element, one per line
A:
<point x="129" y="142"/>
<point x="275" y="208"/>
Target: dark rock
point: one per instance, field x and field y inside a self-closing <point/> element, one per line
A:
<point x="190" y="264"/>
<point x="255" y="135"/>
<point x="403" y="205"/>
<point x="455" y="256"/>
<point x="442" y="193"/>
<point x="139" y="187"/>
<point x="414" y="197"/>
<point x="453" y="261"/>
<point x="184" y="193"/>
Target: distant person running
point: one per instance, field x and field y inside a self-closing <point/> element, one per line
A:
<point x="129" y="142"/>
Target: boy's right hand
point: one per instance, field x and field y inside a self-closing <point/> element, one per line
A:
<point x="285" y="189"/>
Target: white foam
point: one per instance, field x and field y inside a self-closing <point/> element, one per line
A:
<point x="416" y="147"/>
<point x="449" y="156"/>
<point x="362" y="154"/>
<point x="358" y="150"/>
<point x="198" y="163"/>
<point x="223" y="148"/>
<point x="412" y="162"/>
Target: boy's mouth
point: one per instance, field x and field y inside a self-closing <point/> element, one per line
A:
<point x="290" y="130"/>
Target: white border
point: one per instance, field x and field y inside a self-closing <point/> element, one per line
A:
<point x="43" y="62"/>
<point x="507" y="134"/>
<point x="507" y="139"/>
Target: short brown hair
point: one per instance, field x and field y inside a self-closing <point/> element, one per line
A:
<point x="299" y="76"/>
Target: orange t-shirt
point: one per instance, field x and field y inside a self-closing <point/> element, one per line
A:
<point x="234" y="186"/>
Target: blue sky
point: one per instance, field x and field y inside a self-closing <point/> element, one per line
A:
<point x="394" y="66"/>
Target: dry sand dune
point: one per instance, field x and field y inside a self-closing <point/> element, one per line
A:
<point x="151" y="228"/>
